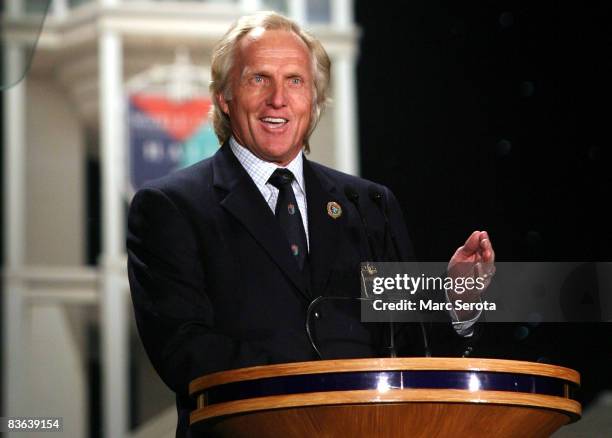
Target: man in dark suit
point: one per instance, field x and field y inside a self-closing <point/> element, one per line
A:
<point x="226" y="255"/>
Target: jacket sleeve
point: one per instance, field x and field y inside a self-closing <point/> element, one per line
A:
<point x="173" y="313"/>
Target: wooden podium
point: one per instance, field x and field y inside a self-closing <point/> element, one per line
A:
<point x="412" y="397"/>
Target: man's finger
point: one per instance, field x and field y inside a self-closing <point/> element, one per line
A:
<point x="486" y="248"/>
<point x="472" y="243"/>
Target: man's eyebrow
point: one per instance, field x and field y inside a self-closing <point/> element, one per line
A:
<point x="248" y="71"/>
<point x="263" y="71"/>
<point x="295" y="73"/>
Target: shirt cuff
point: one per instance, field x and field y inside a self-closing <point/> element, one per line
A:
<point x="462" y="328"/>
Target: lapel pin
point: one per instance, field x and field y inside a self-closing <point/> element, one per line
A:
<point x="334" y="210"/>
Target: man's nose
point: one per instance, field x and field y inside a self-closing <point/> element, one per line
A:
<point x="277" y="97"/>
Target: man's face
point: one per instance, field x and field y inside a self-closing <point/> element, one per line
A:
<point x="271" y="94"/>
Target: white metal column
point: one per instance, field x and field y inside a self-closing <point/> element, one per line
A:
<point x="14" y="232"/>
<point x="115" y="389"/>
<point x="344" y="92"/>
<point x="249" y="6"/>
<point x="14" y="141"/>
<point x="345" y="113"/>
<point x="59" y="8"/>
<point x="342" y="13"/>
<point x="297" y="10"/>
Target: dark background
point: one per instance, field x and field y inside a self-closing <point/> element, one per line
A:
<point x="493" y="116"/>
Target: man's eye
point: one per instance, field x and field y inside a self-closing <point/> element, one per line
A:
<point x="258" y="79"/>
<point x="296" y="81"/>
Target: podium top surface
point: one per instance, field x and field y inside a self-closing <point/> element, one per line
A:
<point x="384" y="364"/>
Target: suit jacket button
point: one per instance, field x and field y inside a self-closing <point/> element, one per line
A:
<point x="317" y="316"/>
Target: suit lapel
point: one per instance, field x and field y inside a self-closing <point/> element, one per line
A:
<point x="244" y="201"/>
<point x="324" y="230"/>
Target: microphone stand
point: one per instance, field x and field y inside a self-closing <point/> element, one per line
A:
<point x="379" y="199"/>
<point x="353" y="196"/>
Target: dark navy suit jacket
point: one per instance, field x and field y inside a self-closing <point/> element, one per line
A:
<point x="213" y="283"/>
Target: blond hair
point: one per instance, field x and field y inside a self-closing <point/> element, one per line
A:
<point x="223" y="61"/>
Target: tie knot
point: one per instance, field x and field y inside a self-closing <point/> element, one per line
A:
<point x="281" y="177"/>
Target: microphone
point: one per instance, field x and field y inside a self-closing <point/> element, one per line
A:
<point x="378" y="198"/>
<point x="353" y="196"/>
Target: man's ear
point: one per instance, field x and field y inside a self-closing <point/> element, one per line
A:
<point x="223" y="104"/>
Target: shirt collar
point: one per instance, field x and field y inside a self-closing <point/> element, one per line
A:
<point x="260" y="170"/>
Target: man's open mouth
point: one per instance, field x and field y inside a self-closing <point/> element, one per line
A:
<point x="274" y="122"/>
